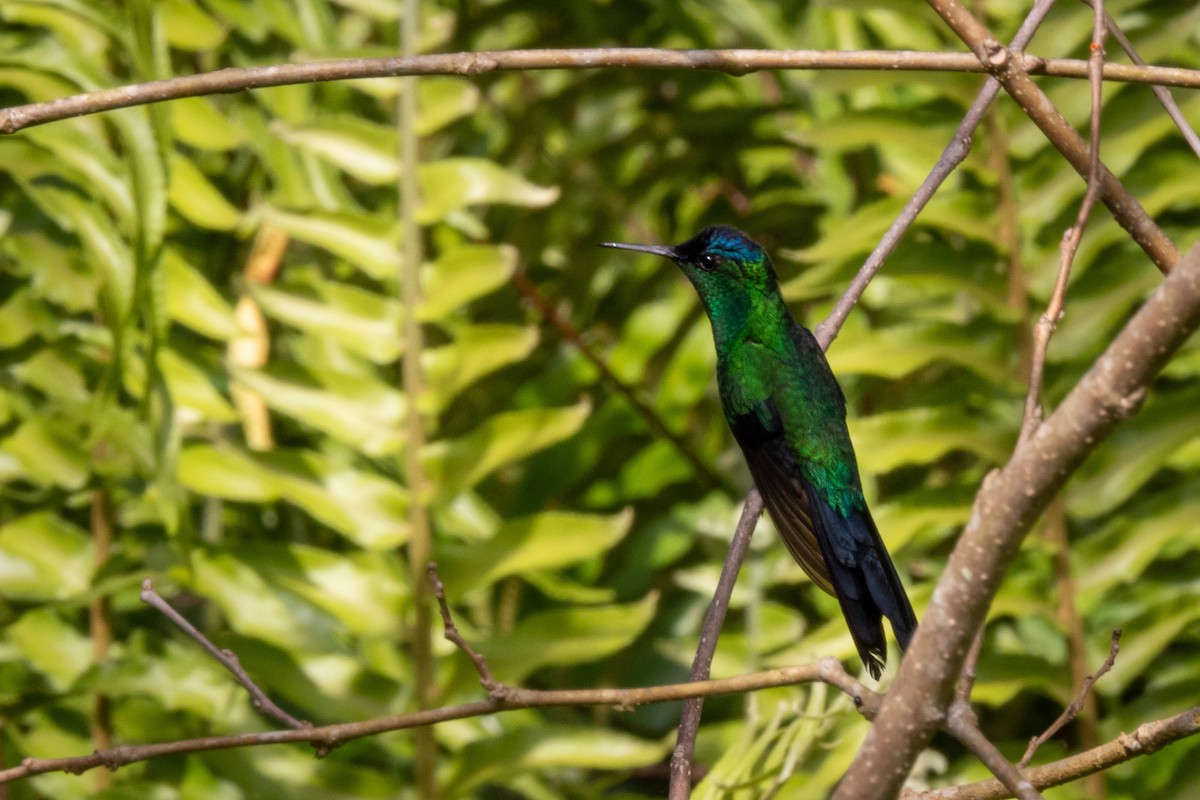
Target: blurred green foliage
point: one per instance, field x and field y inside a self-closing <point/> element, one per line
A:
<point x="578" y="547"/>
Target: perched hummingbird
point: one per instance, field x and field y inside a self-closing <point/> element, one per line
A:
<point x="788" y="414"/>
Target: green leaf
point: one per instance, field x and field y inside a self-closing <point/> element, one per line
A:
<point x="43" y="558"/>
<point x="196" y="122"/>
<point x="456" y="183"/>
<point x="197" y="199"/>
<point x="454" y="465"/>
<point x="464" y="273"/>
<point x="188" y="27"/>
<point x="364" y="413"/>
<point x="365" y="508"/>
<point x="44" y="454"/>
<point x="923" y="435"/>
<point x="51" y="646"/>
<point x="566" y="636"/>
<point x="250" y="605"/>
<point x="369" y="243"/>
<point x="194" y="302"/>
<point x="361" y="321"/>
<point x="543" y="541"/>
<point x="362" y="590"/>
<point x="475" y="351"/>
<point x="365" y="150"/>
<point x="548" y="746"/>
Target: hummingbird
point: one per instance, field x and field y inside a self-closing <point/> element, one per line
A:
<point x="788" y="415"/>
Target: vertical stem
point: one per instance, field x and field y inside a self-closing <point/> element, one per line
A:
<point x="100" y="628"/>
<point x="1055" y="533"/>
<point x="419" y="535"/>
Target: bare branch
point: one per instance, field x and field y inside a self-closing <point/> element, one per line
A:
<point x="1009" y="69"/>
<point x="962" y="723"/>
<point x="226" y="657"/>
<point x="1071" y="711"/>
<point x="732" y="62"/>
<point x="1007" y="504"/>
<point x="329" y="736"/>
<point x="496" y="689"/>
<point x="714" y="618"/>
<point x="1147" y="738"/>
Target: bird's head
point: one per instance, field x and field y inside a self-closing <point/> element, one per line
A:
<point x="719" y="261"/>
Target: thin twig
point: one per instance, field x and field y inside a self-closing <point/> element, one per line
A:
<point x="962" y="723"/>
<point x="689" y="722"/>
<point x="1072" y="237"/>
<point x="1161" y="92"/>
<point x="966" y="678"/>
<point x="496" y="689"/>
<point x="954" y="154"/>
<point x="226" y="657"/>
<point x="529" y="290"/>
<point x="732" y="62"/>
<point x="1070" y="712"/>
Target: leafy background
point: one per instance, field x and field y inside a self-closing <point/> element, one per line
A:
<point x="199" y="323"/>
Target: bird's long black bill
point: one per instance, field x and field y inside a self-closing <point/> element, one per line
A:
<point x="653" y="249"/>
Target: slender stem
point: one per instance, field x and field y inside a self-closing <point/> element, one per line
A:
<point x="419" y="536"/>
<point x="103" y="523"/>
<point x="1072" y="237"/>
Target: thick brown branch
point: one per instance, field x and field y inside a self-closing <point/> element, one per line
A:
<point x="733" y="62"/>
<point x="1007" y="504"/>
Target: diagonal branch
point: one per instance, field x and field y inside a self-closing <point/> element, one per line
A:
<point x="1007" y="504"/>
<point x="1070" y="712"/>
<point x="227" y="658"/>
<point x="954" y="154"/>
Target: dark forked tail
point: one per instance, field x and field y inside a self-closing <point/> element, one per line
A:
<point x="864" y="580"/>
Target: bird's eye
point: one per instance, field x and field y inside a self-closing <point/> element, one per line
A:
<point x="708" y="261"/>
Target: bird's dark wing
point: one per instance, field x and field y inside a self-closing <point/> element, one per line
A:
<point x="788" y="507"/>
